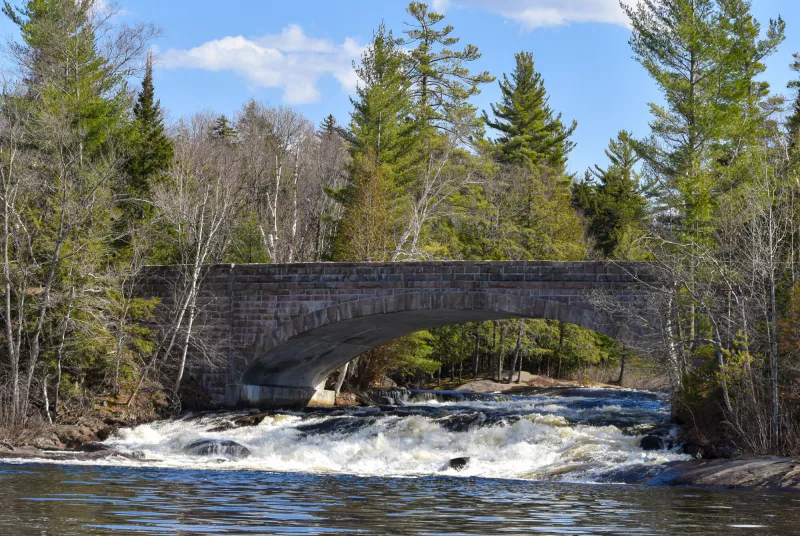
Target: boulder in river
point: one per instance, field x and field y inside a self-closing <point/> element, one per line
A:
<point x="458" y="463"/>
<point x="651" y="442"/>
<point x="218" y="447"/>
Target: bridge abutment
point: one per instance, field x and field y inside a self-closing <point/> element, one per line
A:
<point x="269" y="397"/>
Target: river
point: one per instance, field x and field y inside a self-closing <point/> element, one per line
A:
<point x="551" y="461"/>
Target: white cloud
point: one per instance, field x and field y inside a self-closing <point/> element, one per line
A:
<point x="291" y="61"/>
<point x="532" y="14"/>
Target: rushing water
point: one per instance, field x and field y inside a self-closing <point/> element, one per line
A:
<point x="548" y="462"/>
<point x="578" y="434"/>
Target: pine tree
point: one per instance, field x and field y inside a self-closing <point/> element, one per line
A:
<point x="529" y="131"/>
<point x="76" y="109"/>
<point x="793" y="121"/>
<point x="441" y="82"/>
<point x="378" y="128"/>
<point x="366" y="227"/>
<point x="328" y="126"/>
<point x="84" y="87"/>
<point x="614" y="204"/>
<point x="705" y="56"/>
<point x="382" y="103"/>
<point x="222" y="129"/>
<point x="151" y="148"/>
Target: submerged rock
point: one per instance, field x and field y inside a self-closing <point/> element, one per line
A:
<point x="458" y="463"/>
<point x="217" y="447"/>
<point x="651" y="442"/>
<point x="254" y="419"/>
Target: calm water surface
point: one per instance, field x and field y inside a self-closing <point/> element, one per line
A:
<point x="54" y="499"/>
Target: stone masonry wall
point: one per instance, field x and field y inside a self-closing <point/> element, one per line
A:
<point x="245" y="309"/>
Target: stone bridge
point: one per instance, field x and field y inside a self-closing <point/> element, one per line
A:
<point x="279" y="330"/>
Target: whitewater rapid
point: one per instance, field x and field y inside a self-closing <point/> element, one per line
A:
<point x="586" y="435"/>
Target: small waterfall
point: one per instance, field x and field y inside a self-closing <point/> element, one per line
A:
<point x="556" y="434"/>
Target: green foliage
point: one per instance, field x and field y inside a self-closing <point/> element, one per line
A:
<point x="151" y="150"/>
<point x="365" y="232"/>
<point x="705" y="56"/>
<point x="614" y="206"/>
<point x="222" y="129"/>
<point x="440" y="80"/>
<point x="382" y="104"/>
<point x="530" y="133"/>
<point x="793" y="121"/>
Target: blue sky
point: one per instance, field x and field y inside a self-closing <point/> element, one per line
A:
<point x="215" y="55"/>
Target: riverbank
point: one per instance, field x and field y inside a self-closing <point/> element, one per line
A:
<point x="526" y="381"/>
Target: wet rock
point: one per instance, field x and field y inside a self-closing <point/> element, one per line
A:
<point x="346" y="399"/>
<point x="74" y="436"/>
<point x="47" y="443"/>
<point x="6" y="447"/>
<point x="693" y="450"/>
<point x="138" y="455"/>
<point x="119" y="423"/>
<point x="224" y="427"/>
<point x="337" y="425"/>
<point x="217" y="447"/>
<point x="779" y="473"/>
<point x="106" y="432"/>
<point x="94" y="447"/>
<point x="458" y="464"/>
<point x="651" y="442"/>
<point x="463" y="422"/>
<point x="253" y="419"/>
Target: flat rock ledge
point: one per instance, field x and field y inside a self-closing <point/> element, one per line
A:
<point x="87" y="452"/>
<point x="763" y="473"/>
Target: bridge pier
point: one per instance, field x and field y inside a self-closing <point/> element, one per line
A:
<point x="269" y="396"/>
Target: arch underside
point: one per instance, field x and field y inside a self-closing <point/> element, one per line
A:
<point x="306" y="350"/>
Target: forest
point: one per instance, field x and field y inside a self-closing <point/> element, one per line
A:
<point x="96" y="185"/>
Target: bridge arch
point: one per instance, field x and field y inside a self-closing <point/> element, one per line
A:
<point x="304" y="351"/>
<point x="283" y="328"/>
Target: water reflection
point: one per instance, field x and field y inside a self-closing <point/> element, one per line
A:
<point x="52" y="499"/>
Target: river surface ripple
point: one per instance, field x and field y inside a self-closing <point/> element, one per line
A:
<point x="548" y="462"/>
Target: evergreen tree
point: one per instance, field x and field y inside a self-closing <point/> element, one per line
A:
<point x="222" y="129"/>
<point x="529" y="131"/>
<point x="705" y="56"/>
<point x="381" y="106"/>
<point x="151" y="148"/>
<point x="64" y="69"/>
<point x="440" y="80"/>
<point x="76" y="110"/>
<point x="328" y="126"/>
<point x="366" y="227"/>
<point x="613" y="203"/>
<point x="378" y="128"/>
<point x="793" y="121"/>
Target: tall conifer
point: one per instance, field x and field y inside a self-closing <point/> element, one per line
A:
<point x="705" y="56"/>
<point x="529" y="130"/>
<point x="615" y="205"/>
<point x="151" y="148"/>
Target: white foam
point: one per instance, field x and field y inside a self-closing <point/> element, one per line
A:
<point x="539" y="444"/>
